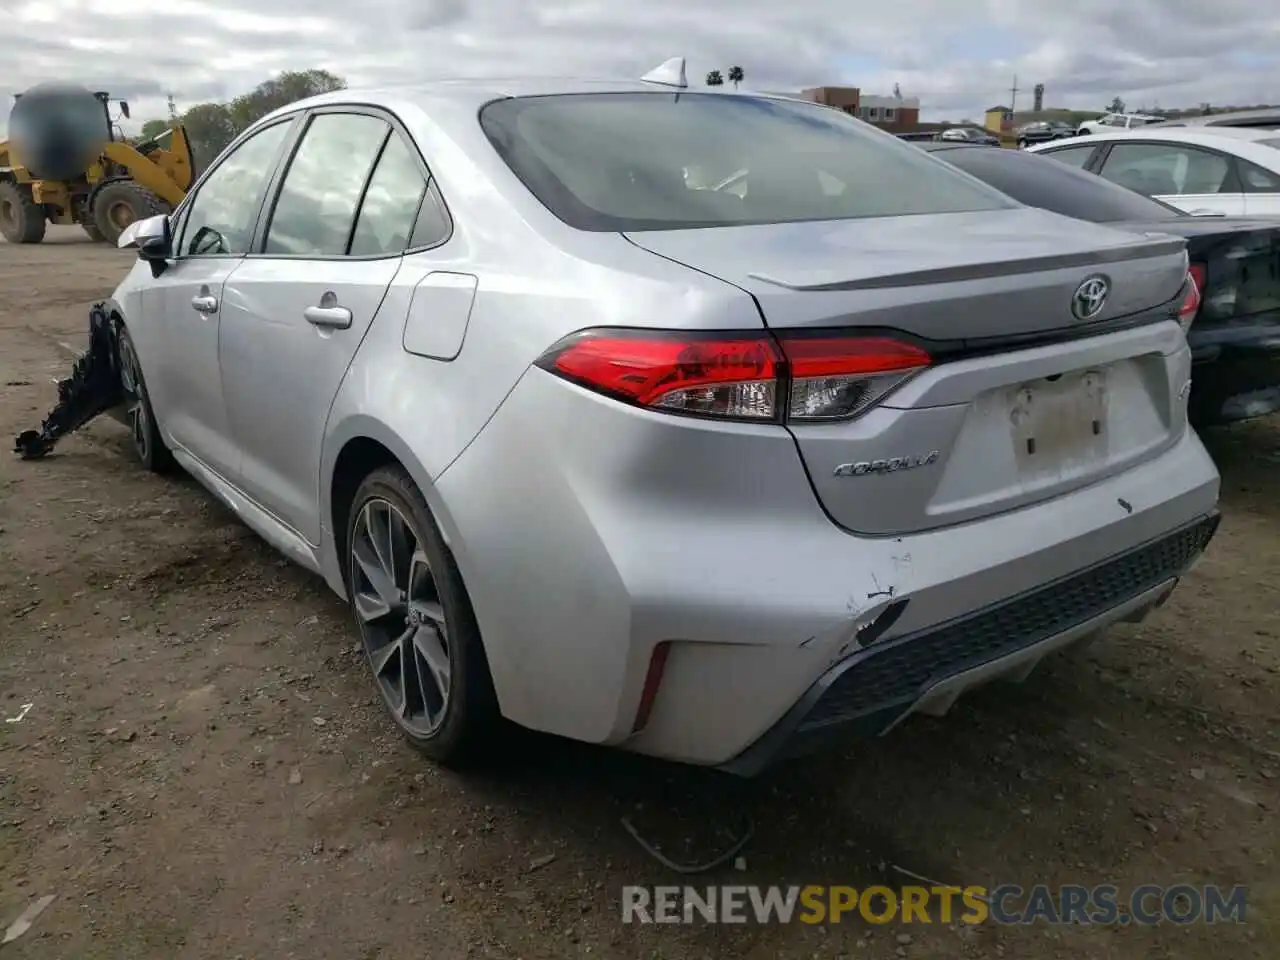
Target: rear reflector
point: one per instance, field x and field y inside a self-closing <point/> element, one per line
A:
<point x="652" y="681"/>
<point x="738" y="376"/>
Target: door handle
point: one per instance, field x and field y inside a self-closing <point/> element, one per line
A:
<point x="205" y="303"/>
<point x="335" y="318"/>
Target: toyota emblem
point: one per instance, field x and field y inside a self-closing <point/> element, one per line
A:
<point x="1090" y="297"/>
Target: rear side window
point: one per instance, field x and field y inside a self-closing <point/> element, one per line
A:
<point x="321" y="191"/>
<point x="1072" y="156"/>
<point x="387" y="211"/>
<point x="653" y="161"/>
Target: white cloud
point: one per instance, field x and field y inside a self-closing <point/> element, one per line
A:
<point x="958" y="58"/>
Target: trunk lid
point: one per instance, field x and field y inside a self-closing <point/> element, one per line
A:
<point x="1027" y="408"/>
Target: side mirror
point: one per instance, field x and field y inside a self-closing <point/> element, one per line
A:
<point x="124" y="108"/>
<point x="152" y="238"/>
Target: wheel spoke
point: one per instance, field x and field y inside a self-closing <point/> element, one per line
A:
<point x="432" y="663"/>
<point x="379" y="576"/>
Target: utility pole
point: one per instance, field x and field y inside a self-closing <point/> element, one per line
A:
<point x="1013" y="97"/>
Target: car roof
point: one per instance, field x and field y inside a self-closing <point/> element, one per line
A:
<point x="1203" y="136"/>
<point x="1264" y="114"/>
<point x="479" y="91"/>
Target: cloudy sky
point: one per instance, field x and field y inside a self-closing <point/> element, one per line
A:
<point x="958" y="56"/>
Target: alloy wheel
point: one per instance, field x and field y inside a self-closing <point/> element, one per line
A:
<point x="402" y="620"/>
<point x="136" y="398"/>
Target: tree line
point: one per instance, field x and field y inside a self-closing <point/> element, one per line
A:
<point x="211" y="126"/>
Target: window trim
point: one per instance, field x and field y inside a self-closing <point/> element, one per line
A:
<point x="890" y="115"/>
<point x="1099" y="163"/>
<point x="1090" y="161"/>
<point x="258" y="250"/>
<point x="183" y="209"/>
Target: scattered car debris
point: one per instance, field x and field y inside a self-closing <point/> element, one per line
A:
<point x="27" y="918"/>
<point x="691" y="868"/>
<point x="21" y="714"/>
<point x="93" y="388"/>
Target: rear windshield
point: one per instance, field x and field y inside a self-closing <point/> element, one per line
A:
<point x="1041" y="182"/>
<point x="658" y="161"/>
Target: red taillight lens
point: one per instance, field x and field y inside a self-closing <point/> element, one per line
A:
<point x="740" y="376"/>
<point x="1194" y="295"/>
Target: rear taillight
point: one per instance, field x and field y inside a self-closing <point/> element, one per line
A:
<point x="1193" y="294"/>
<point x="738" y="376"/>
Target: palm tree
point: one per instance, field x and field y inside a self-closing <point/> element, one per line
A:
<point x="736" y="76"/>
<point x="715" y="79"/>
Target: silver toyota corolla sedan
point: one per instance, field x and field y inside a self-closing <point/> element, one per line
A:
<point x="597" y="444"/>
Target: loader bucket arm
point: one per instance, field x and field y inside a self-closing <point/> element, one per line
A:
<point x="148" y="173"/>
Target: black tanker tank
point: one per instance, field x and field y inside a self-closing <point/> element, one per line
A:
<point x="58" y="129"/>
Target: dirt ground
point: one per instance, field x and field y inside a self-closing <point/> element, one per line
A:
<point x="204" y="771"/>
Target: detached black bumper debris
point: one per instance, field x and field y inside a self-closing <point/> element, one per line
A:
<point x="93" y="388"/>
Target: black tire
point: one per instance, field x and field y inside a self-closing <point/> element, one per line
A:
<point x="1022" y="144"/>
<point x="121" y="203"/>
<point x="92" y="230"/>
<point x="466" y="729"/>
<point x="148" y="445"/>
<point x="22" y="220"/>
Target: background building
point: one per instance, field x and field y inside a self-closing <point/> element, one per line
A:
<point x="895" y="114"/>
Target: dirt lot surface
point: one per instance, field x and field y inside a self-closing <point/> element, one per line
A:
<point x="204" y="771"/>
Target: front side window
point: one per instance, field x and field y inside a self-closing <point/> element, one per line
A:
<point x="1159" y="169"/>
<point x="316" y="209"/>
<point x="651" y="161"/>
<point x="221" y="218"/>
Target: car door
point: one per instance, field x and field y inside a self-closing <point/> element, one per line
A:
<point x="297" y="309"/>
<point x="1193" y="179"/>
<point x="1261" y="189"/>
<point x="212" y="232"/>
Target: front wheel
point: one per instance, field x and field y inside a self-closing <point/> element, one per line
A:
<point x="121" y="203"/>
<point x="416" y="624"/>
<point x="22" y="220"/>
<point x="147" y="442"/>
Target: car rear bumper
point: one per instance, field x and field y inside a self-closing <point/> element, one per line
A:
<point x="1235" y="372"/>
<point x="591" y="534"/>
<point x="872" y="691"/>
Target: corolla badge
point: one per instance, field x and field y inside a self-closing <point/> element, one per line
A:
<point x="1090" y="297"/>
<point x="863" y="468"/>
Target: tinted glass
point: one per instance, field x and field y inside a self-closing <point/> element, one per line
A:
<point x="221" y="218"/>
<point x="1158" y="169"/>
<point x="433" y="224"/>
<point x="391" y="202"/>
<point x="1072" y="156"/>
<point x="1256" y="179"/>
<point x="1036" y="182"/>
<point x="651" y="161"/>
<point x="322" y="188"/>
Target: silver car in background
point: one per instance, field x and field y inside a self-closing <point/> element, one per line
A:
<point x="709" y="474"/>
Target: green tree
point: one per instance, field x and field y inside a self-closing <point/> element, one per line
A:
<point x="736" y="76"/>
<point x="715" y="79"/>
<point x="153" y="128"/>
<point x="210" y="129"/>
<point x="1117" y="105"/>
<point x="289" y="87"/>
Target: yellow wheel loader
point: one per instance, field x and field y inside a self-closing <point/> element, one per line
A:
<point x="66" y="163"/>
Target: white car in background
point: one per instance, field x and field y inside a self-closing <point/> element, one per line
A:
<point x="1115" y="121"/>
<point x="1215" y="170"/>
